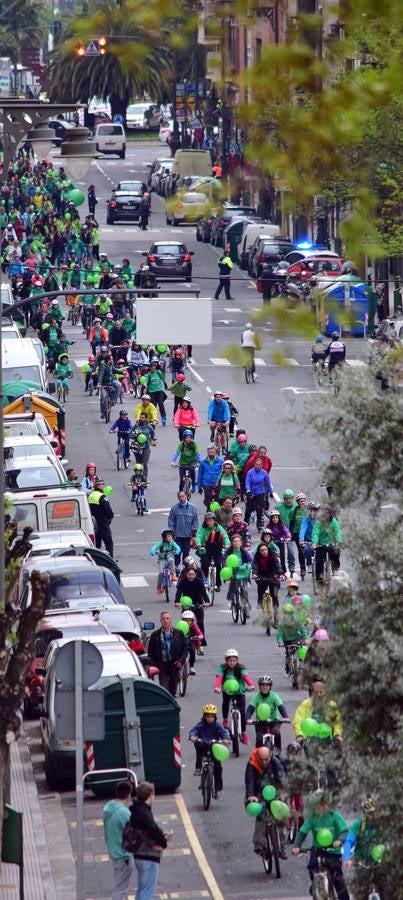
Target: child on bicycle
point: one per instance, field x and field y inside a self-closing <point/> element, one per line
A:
<point x="203" y="734"/>
<point x="124" y="427"/>
<point x="241" y="575"/>
<point x="63" y="372"/>
<point x="278" y="712"/>
<point x="195" y="637"/>
<point x="191" y="584"/>
<point x="306" y="529"/>
<point x="323" y="817"/>
<point x="89" y="370"/>
<point x="290" y="631"/>
<point x="234" y="670"/>
<point x="138" y="482"/>
<point x="165" y="551"/>
<point x="211" y="540"/>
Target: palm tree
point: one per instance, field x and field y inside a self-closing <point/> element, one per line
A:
<point x="135" y="63"/>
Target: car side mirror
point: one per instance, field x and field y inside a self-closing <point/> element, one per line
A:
<point x="191" y="253"/>
<point x="40" y="670"/>
<point x="148" y="626"/>
<point x="138" y="612"/>
<point x="144" y="253"/>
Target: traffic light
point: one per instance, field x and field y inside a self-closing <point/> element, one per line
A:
<point x="102" y="45"/>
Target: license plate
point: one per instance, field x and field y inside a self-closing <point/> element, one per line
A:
<point x="168" y="262"/>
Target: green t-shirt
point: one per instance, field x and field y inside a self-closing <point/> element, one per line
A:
<point x="330" y="819"/>
<point x="230" y="674"/>
<point x="273" y="700"/>
<point x="367" y="836"/>
<point x="187" y="455"/>
<point x="228" y="486"/>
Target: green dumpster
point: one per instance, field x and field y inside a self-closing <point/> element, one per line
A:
<point x="142" y="733"/>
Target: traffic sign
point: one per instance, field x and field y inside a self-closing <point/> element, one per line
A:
<point x="93" y="715"/>
<point x="92" y="49"/>
<point x="92" y="664"/>
<point x="118" y="118"/>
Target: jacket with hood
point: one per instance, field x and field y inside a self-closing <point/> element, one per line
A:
<point x="186" y="417"/>
<point x="116" y="815"/>
<point x="331" y="715"/>
<point x="151" y="836"/>
<point x="209" y="470"/>
<point x="256" y="777"/>
<point x="266" y="462"/>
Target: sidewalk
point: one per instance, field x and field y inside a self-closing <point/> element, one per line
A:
<point x="38" y="880"/>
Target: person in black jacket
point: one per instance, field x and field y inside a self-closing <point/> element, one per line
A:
<point x="168" y="649"/>
<point x="263" y="768"/>
<point x="191" y="584"/>
<point x="151" y="841"/>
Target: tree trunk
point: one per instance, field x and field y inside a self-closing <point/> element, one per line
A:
<point x="119" y="104"/>
<point x="4" y="794"/>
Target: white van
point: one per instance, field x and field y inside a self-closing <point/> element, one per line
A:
<point x="110" y="137"/>
<point x="250" y="233"/>
<point x="52" y="509"/>
<point x="20" y="362"/>
<point x="191" y="162"/>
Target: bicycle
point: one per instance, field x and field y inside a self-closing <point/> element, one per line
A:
<point x="221" y="438"/>
<point x="206" y="785"/>
<point x="265" y="737"/>
<point x="271" y="849"/>
<point x="293" y="665"/>
<point x="183" y="678"/>
<point x="295" y="818"/>
<point x="335" y="379"/>
<point x="211" y="581"/>
<point x="105" y="402"/>
<point x="75" y="314"/>
<point x="318" y="371"/>
<point x="249" y="368"/>
<point x="326" y="577"/>
<point x="239" y="602"/>
<point x="187" y="483"/>
<point x="235" y="728"/>
<point x="322" y="882"/>
<point x="141" y="502"/>
<point x="62" y="393"/>
<point x="166" y="580"/>
<point x="122" y="452"/>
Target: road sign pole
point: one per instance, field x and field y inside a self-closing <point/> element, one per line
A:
<point x="78" y="690"/>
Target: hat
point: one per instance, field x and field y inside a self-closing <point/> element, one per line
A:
<point x="98" y="480"/>
<point x="292" y="583"/>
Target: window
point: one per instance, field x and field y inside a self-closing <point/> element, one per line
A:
<point x="26" y="514"/>
<point x="258" y="49"/>
<point x="108" y="130"/>
<point x="62" y="514"/>
<point x="22" y="373"/>
<point x="31" y="479"/>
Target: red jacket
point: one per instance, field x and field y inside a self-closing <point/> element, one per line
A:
<point x="266" y="463"/>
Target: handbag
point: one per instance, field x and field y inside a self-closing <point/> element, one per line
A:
<point x="131" y="838"/>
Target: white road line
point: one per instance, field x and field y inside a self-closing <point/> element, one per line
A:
<point x="80" y="362"/>
<point x="195" y="374"/>
<point x="356" y="363"/>
<point x="290" y="361"/>
<point x="259" y="362"/>
<point x="219" y="361"/>
<point x="232" y="309"/>
<point x="131" y="581"/>
<point x="208" y="389"/>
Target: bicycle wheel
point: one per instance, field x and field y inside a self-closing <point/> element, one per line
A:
<point x="267" y="855"/>
<point x="187" y="486"/>
<point x="321" y="887"/>
<point x="292" y="827"/>
<point x="207" y="787"/>
<point x="275" y="849"/>
<point x="118" y="458"/>
<point x="243" y="609"/>
<point x="327" y="571"/>
<point x="166" y="588"/>
<point x="314" y="581"/>
<point x="235" y="735"/>
<point x="183" y="680"/>
<point x="211" y="583"/>
<point x="108" y="410"/>
<point x="234" y="610"/>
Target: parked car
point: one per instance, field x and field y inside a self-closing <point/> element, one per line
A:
<point x="55" y="543"/>
<point x="186" y="206"/>
<point x="61" y="129"/>
<point x="153" y="166"/>
<point x="51" y="509"/>
<point x="328" y="266"/>
<point x="166" y="129"/>
<point x="124" y="206"/>
<point x="164" y="177"/>
<point x="157" y="173"/>
<point x="26" y="446"/>
<point x="110" y="139"/>
<point x="250" y="232"/>
<point x="73" y="583"/>
<point x="297" y="254"/>
<point x="117" y="659"/>
<point x="221" y="220"/>
<point x="269" y="251"/>
<point x="28" y="473"/>
<point x="170" y="259"/>
<point x="143" y="116"/>
<point x="123" y="621"/>
<point x="10" y="332"/>
<point x="19" y="424"/>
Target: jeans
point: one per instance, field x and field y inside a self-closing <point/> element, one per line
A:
<point x="301" y="554"/>
<point x="147" y="878"/>
<point x="123" y="870"/>
<point x="226" y="284"/>
<point x="157" y="398"/>
<point x="184" y="544"/>
<point x="255" y="503"/>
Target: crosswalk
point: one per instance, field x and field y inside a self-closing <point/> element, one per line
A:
<point x="288" y="361"/>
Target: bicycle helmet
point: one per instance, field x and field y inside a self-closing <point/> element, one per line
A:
<point x="90" y="466"/>
<point x="267" y="531"/>
<point x="92" y="358"/>
<point x="121" y="362"/>
<point x="97" y="321"/>
<point x="188" y="614"/>
<point x="109" y="316"/>
<point x="335" y="335"/>
<point x="319" y="339"/>
<point x="265" y="679"/>
<point x="187" y="432"/>
<point x="274" y="512"/>
<point x="166" y="530"/>
<point x="218" y="393"/>
<point x="231" y="652"/>
<point x="103" y="349"/>
<point x="146" y="268"/>
<point x="292" y="583"/>
<point x="313" y="505"/>
<point x="228" y="462"/>
<point x="123" y="412"/>
<point x="154" y="359"/>
<point x="237" y="511"/>
<point x="178" y="352"/>
<point x="321" y="635"/>
<point x="242" y="438"/>
<point x="146" y="397"/>
<point x="189" y="561"/>
<point x="287" y="494"/>
<point x="180" y="377"/>
<point x="210" y="515"/>
<point x="300" y="496"/>
<point x="294" y="748"/>
<point x="138" y="467"/>
<point x="210" y="710"/>
<point x="225" y="396"/>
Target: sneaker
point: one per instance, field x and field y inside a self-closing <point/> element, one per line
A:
<point x="159" y="590"/>
<point x="192" y="671"/>
<point x="197" y="772"/>
<point x="218" y="787"/>
<point x="217" y="590"/>
<point x="283" y="852"/>
<point x="225" y="723"/>
<point x="245" y="738"/>
<point x="163" y="421"/>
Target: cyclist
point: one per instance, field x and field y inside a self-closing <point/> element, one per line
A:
<point x="292" y="590"/>
<point x="136" y="359"/>
<point x="123" y="426"/>
<point x="257" y="485"/>
<point x="165" y="550"/>
<point x="335" y="352"/>
<point x="195" y="638"/>
<point x="107" y="381"/>
<point x="233" y="414"/>
<point x="228" y="484"/>
<point x="249" y="346"/>
<point x="179" y="389"/>
<point x="323" y="817"/>
<point x="208" y="472"/>
<point x="186" y="417"/>
<point x="138" y="481"/>
<point x="203" y="734"/>
<point x="305" y="531"/>
<point x="318" y="707"/>
<point x="218" y="413"/>
<point x="224" y="513"/>
<point x="362" y="836"/>
<point x="290" y="631"/>
<point x="233" y="669"/>
<point x="188" y="454"/>
<point x="266" y="570"/>
<point x="315" y="658"/>
<point x="89" y="370"/>
<point x="145" y="406"/>
<point x="242" y="573"/>
<point x="97" y="336"/>
<point x="63" y="372"/>
<point x="239" y="451"/>
<point x="327" y="537"/>
<point x="191" y="584"/>
<point x="318" y="353"/>
<point x="286" y="509"/>
<point x="262" y="454"/>
<point x="177" y="363"/>
<point x="237" y="525"/>
<point x="211" y="539"/>
<point x="87" y="483"/>
<point x="263" y="768"/>
<point x="266" y="537"/>
<point x="278" y="712"/>
<point x="295" y="524"/>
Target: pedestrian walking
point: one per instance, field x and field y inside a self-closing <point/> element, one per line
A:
<point x="116" y="815"/>
<point x="102" y="514"/>
<point x="225" y="266"/>
<point x="266" y="282"/>
<point x="184" y="522"/>
<point x="145" y="209"/>
<point x="208" y="474"/>
<point x="168" y="649"/>
<point x="92" y="200"/>
<point x="151" y="841"/>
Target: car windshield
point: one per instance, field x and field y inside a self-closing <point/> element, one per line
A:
<point x="97" y="601"/>
<point x="40" y="476"/>
<point x="119" y="620"/>
<point x="194" y="198"/>
<point x="25" y="450"/>
<point x="131" y="186"/>
<point x="126" y="198"/>
<point x="110" y="129"/>
<point x="137" y="109"/>
<point x="22" y="373"/>
<point x="324" y="265"/>
<point x="19" y="429"/>
<point x="168" y="249"/>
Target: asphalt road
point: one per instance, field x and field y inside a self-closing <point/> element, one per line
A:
<point x="274" y="411"/>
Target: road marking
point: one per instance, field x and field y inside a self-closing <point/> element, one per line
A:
<point x="355" y="363"/>
<point x="130" y="581"/>
<point x="198" y="851"/>
<point x="259" y="361"/>
<point x="232" y="309"/>
<point x="219" y="361"/>
<point x="195" y="374"/>
<point x="290" y="361"/>
<point x="80" y="362"/>
<point x="297" y="390"/>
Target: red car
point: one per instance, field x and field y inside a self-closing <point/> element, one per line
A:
<point x="321" y="265"/>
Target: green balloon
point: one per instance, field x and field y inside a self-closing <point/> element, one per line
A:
<point x="67" y="216"/>
<point x="254" y="809"/>
<point x="301" y="652"/>
<point x="143" y="379"/>
<point x="306" y="601"/>
<point x="183" y="627"/>
<point x="214" y="506"/>
<point x="220" y="752"/>
<point x="187" y="602"/>
<point x="324" y="731"/>
<point x="263" y="712"/>
<point x="76" y="197"/>
<point x="324" y="837"/>
<point x="269" y="793"/>
<point x="232" y="561"/>
<point x="162" y="348"/>
<point x="141" y="438"/>
<point x="226" y="573"/>
<point x="288" y="609"/>
<point x="377" y="852"/>
<point x="279" y="810"/>
<point x="108" y="490"/>
<point x="231" y="686"/>
<point x="309" y="727"/>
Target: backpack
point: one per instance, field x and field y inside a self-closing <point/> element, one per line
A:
<point x="131" y="838"/>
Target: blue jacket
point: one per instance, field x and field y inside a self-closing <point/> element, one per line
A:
<point x="183" y="519"/>
<point x="123" y="425"/>
<point x="258" y="482"/>
<point x="305" y="531"/>
<point x="209" y="732"/>
<point x="218" y="412"/>
<point x="208" y="472"/>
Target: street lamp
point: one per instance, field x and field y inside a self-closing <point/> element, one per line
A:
<point x="41" y="137"/>
<point x="77" y="152"/>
